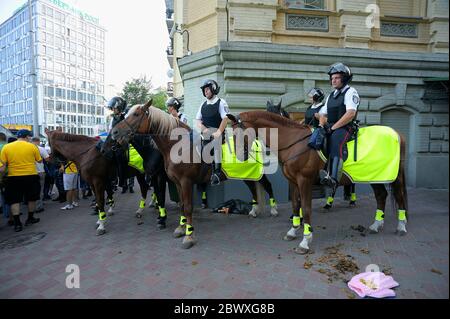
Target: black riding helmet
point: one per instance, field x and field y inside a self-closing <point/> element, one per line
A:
<point x="174" y="102"/>
<point x="342" y="69"/>
<point x="117" y="103"/>
<point x="213" y="86"/>
<point x="317" y="94"/>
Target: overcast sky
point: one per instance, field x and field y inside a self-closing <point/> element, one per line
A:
<point x="136" y="37"/>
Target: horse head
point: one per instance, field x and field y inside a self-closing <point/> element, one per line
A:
<point x="270" y="107"/>
<point x="136" y="121"/>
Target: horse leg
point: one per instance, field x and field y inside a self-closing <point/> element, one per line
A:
<point x="202" y="188"/>
<point x="110" y="199"/>
<point x="255" y="208"/>
<point x="399" y="188"/>
<point x="100" y="202"/>
<point x="153" y="200"/>
<point x="188" y="240"/>
<point x="380" y="195"/>
<point x="181" y="228"/>
<point x="264" y="181"/>
<point x="297" y="213"/>
<point x="143" y="187"/>
<point x="352" y="195"/>
<point x="330" y="200"/>
<point x="160" y="190"/>
<point x="305" y="189"/>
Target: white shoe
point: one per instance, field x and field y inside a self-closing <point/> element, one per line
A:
<point x="67" y="207"/>
<point x="75" y="204"/>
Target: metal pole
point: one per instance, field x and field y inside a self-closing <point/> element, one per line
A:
<point x="33" y="75"/>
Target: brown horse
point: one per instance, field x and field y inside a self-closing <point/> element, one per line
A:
<point x="94" y="168"/>
<point x="301" y="165"/>
<point x="144" y="119"/>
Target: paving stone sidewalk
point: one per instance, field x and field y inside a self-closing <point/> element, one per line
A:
<point x="236" y="256"/>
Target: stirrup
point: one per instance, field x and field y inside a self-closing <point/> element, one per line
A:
<point x="215" y="179"/>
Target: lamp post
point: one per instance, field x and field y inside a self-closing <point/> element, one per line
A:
<point x="33" y="74"/>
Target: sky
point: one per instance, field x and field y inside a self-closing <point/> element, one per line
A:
<point x="136" y="38"/>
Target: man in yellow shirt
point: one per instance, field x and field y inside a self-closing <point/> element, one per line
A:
<point x="70" y="178"/>
<point x="19" y="159"/>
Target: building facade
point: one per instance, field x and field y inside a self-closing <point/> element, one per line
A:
<point x="69" y="47"/>
<point x="279" y="49"/>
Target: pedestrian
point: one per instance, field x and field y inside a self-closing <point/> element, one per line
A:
<point x="41" y="172"/>
<point x="19" y="159"/>
<point x="70" y="178"/>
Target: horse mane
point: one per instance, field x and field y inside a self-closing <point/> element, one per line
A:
<point x="161" y="122"/>
<point x="273" y="117"/>
<point x="72" y="137"/>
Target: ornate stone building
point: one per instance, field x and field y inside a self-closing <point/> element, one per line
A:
<point x="279" y="49"/>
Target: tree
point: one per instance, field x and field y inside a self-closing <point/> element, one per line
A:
<point x="137" y="91"/>
<point x="159" y="99"/>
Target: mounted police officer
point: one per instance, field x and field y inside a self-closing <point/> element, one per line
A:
<point x="336" y="116"/>
<point x="173" y="107"/>
<point x="119" y="106"/>
<point x="212" y="121"/>
<point x="316" y="96"/>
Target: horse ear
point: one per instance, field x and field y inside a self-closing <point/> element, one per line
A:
<point x="232" y="118"/>
<point x="279" y="104"/>
<point x="147" y="105"/>
<point x="46" y="131"/>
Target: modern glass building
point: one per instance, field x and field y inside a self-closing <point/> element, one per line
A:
<point x="69" y="47"/>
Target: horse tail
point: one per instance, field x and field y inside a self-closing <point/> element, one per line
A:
<point x="400" y="182"/>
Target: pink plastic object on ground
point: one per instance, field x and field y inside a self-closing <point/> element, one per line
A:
<point x="373" y="284"/>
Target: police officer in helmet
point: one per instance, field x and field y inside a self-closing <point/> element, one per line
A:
<point x="173" y="107"/>
<point x="212" y="120"/>
<point x="316" y="96"/>
<point x="119" y="106"/>
<point x="336" y="117"/>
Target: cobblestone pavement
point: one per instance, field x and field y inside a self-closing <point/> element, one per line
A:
<point x="236" y="256"/>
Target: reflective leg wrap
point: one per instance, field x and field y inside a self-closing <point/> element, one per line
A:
<point x="203" y="195"/>
<point x="189" y="230"/>
<point x="101" y="215"/>
<point x="330" y="200"/>
<point x="162" y="212"/>
<point x="183" y="220"/>
<point x="296" y="221"/>
<point x="272" y="202"/>
<point x="142" y="203"/>
<point x="307" y="230"/>
<point x="353" y="197"/>
<point x="402" y="215"/>
<point x="379" y="215"/>
<point x="155" y="199"/>
<point x="301" y="215"/>
<point x="377" y="226"/>
<point x="254" y="202"/>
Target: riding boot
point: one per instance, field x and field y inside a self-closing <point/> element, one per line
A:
<point x="331" y="179"/>
<point x="215" y="176"/>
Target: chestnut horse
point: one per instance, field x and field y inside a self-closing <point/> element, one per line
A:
<point x="301" y="165"/>
<point x="145" y="119"/>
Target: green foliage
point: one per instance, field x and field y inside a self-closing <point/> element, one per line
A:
<point x="137" y="91"/>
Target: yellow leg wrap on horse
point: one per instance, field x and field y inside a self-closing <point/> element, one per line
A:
<point x="142" y="203"/>
<point x="189" y="230"/>
<point x="162" y="212"/>
<point x="272" y="202"/>
<point x="254" y="203"/>
<point x="101" y="215"/>
<point x="183" y="220"/>
<point x="330" y="200"/>
<point x="307" y="230"/>
<point x="203" y="195"/>
<point x="353" y="197"/>
<point x="301" y="213"/>
<point x="379" y="215"/>
<point x="296" y="221"/>
<point x="401" y="214"/>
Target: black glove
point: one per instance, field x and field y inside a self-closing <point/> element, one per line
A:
<point x="327" y="128"/>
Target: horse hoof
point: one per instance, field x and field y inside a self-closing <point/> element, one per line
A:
<point x="138" y="215"/>
<point x="101" y="232"/>
<point x="352" y="204"/>
<point x="110" y="213"/>
<point x="188" y="242"/>
<point x="140" y="222"/>
<point x="327" y="207"/>
<point x="289" y="238"/>
<point x="301" y="250"/>
<point x="273" y="212"/>
<point x="179" y="232"/>
<point x="401" y="232"/>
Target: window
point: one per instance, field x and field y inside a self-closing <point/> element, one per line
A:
<point x="306" y="4"/>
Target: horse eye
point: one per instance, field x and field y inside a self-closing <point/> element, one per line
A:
<point x="135" y="114"/>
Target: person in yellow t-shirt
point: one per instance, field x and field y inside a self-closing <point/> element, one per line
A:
<point x="70" y="178"/>
<point x="19" y="159"/>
